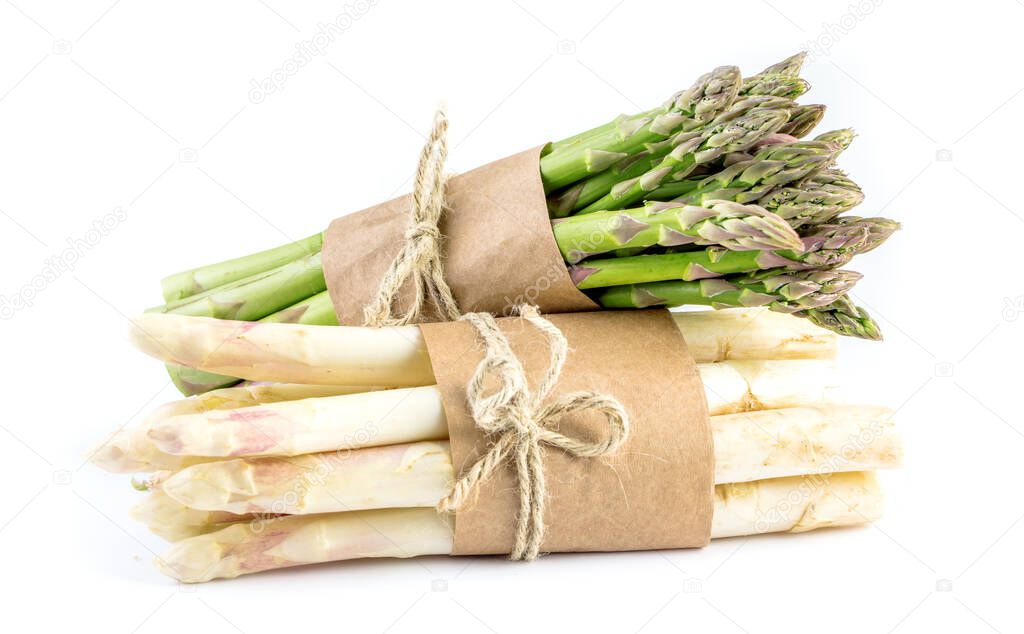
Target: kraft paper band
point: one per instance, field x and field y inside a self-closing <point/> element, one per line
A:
<point x="654" y="492"/>
<point x="499" y="250"/>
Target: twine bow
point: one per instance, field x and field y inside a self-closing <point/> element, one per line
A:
<point x="420" y="255"/>
<point x="519" y="422"/>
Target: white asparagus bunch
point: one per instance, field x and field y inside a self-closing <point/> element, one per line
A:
<point x="348" y="457"/>
<point x="766" y="506"/>
<point x="397" y="357"/>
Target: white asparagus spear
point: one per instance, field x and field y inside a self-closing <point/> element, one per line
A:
<point x="786" y="504"/>
<point x="753" y="333"/>
<point x="405" y="475"/>
<point x="129" y="450"/>
<point x="291" y="428"/>
<point x="802" y="440"/>
<point x="325" y="355"/>
<point x="745" y="386"/>
<point x="748" y="446"/>
<point x="256" y="394"/>
<point x="796" y="505"/>
<point x="290" y="353"/>
<point x="729" y="386"/>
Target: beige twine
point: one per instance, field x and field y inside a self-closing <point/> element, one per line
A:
<point x="420" y="255"/>
<point x="518" y="421"/>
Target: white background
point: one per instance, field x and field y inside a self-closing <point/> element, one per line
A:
<point x="146" y="107"/>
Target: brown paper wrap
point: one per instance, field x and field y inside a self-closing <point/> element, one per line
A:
<point x="657" y="491"/>
<point x="499" y="250"/>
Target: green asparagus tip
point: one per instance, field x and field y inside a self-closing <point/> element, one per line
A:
<point x="803" y="119"/>
<point x="790" y="66"/>
<point x="775" y="84"/>
<point x="191" y="381"/>
<point x="141" y="485"/>
<point x="842" y="137"/>
<point x="845" y="318"/>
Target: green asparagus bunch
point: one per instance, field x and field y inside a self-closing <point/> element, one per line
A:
<point x="716" y="197"/>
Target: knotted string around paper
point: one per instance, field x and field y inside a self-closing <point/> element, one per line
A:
<point x="419" y="259"/>
<point x="518" y="421"/>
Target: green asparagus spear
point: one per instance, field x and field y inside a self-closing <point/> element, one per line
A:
<point x="782" y="79"/>
<point x="814" y="200"/>
<point x="842" y="137"/>
<point x="828" y="246"/>
<point x="583" y="194"/>
<point x="595" y="152"/>
<point x="728" y="224"/>
<point x="575" y="198"/>
<point x="787" y="292"/>
<point x="188" y="283"/>
<point x="752" y="179"/>
<point x="726" y="134"/>
<point x="790" y="66"/>
<point x="191" y="381"/>
<point x="315" y="311"/>
<point x="803" y="119"/>
<point x="768" y="81"/>
<point x="846" y="318"/>
<point x="776" y="85"/>
<point x="587" y="191"/>
<point x="256" y="296"/>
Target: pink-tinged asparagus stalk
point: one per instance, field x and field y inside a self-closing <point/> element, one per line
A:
<point x="292" y="428"/>
<point x="766" y="506"/>
<point x="129" y="450"/>
<point x="730" y="386"/>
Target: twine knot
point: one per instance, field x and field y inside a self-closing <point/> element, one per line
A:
<point x="419" y="259"/>
<point x="423" y="231"/>
<point x="519" y="422"/>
